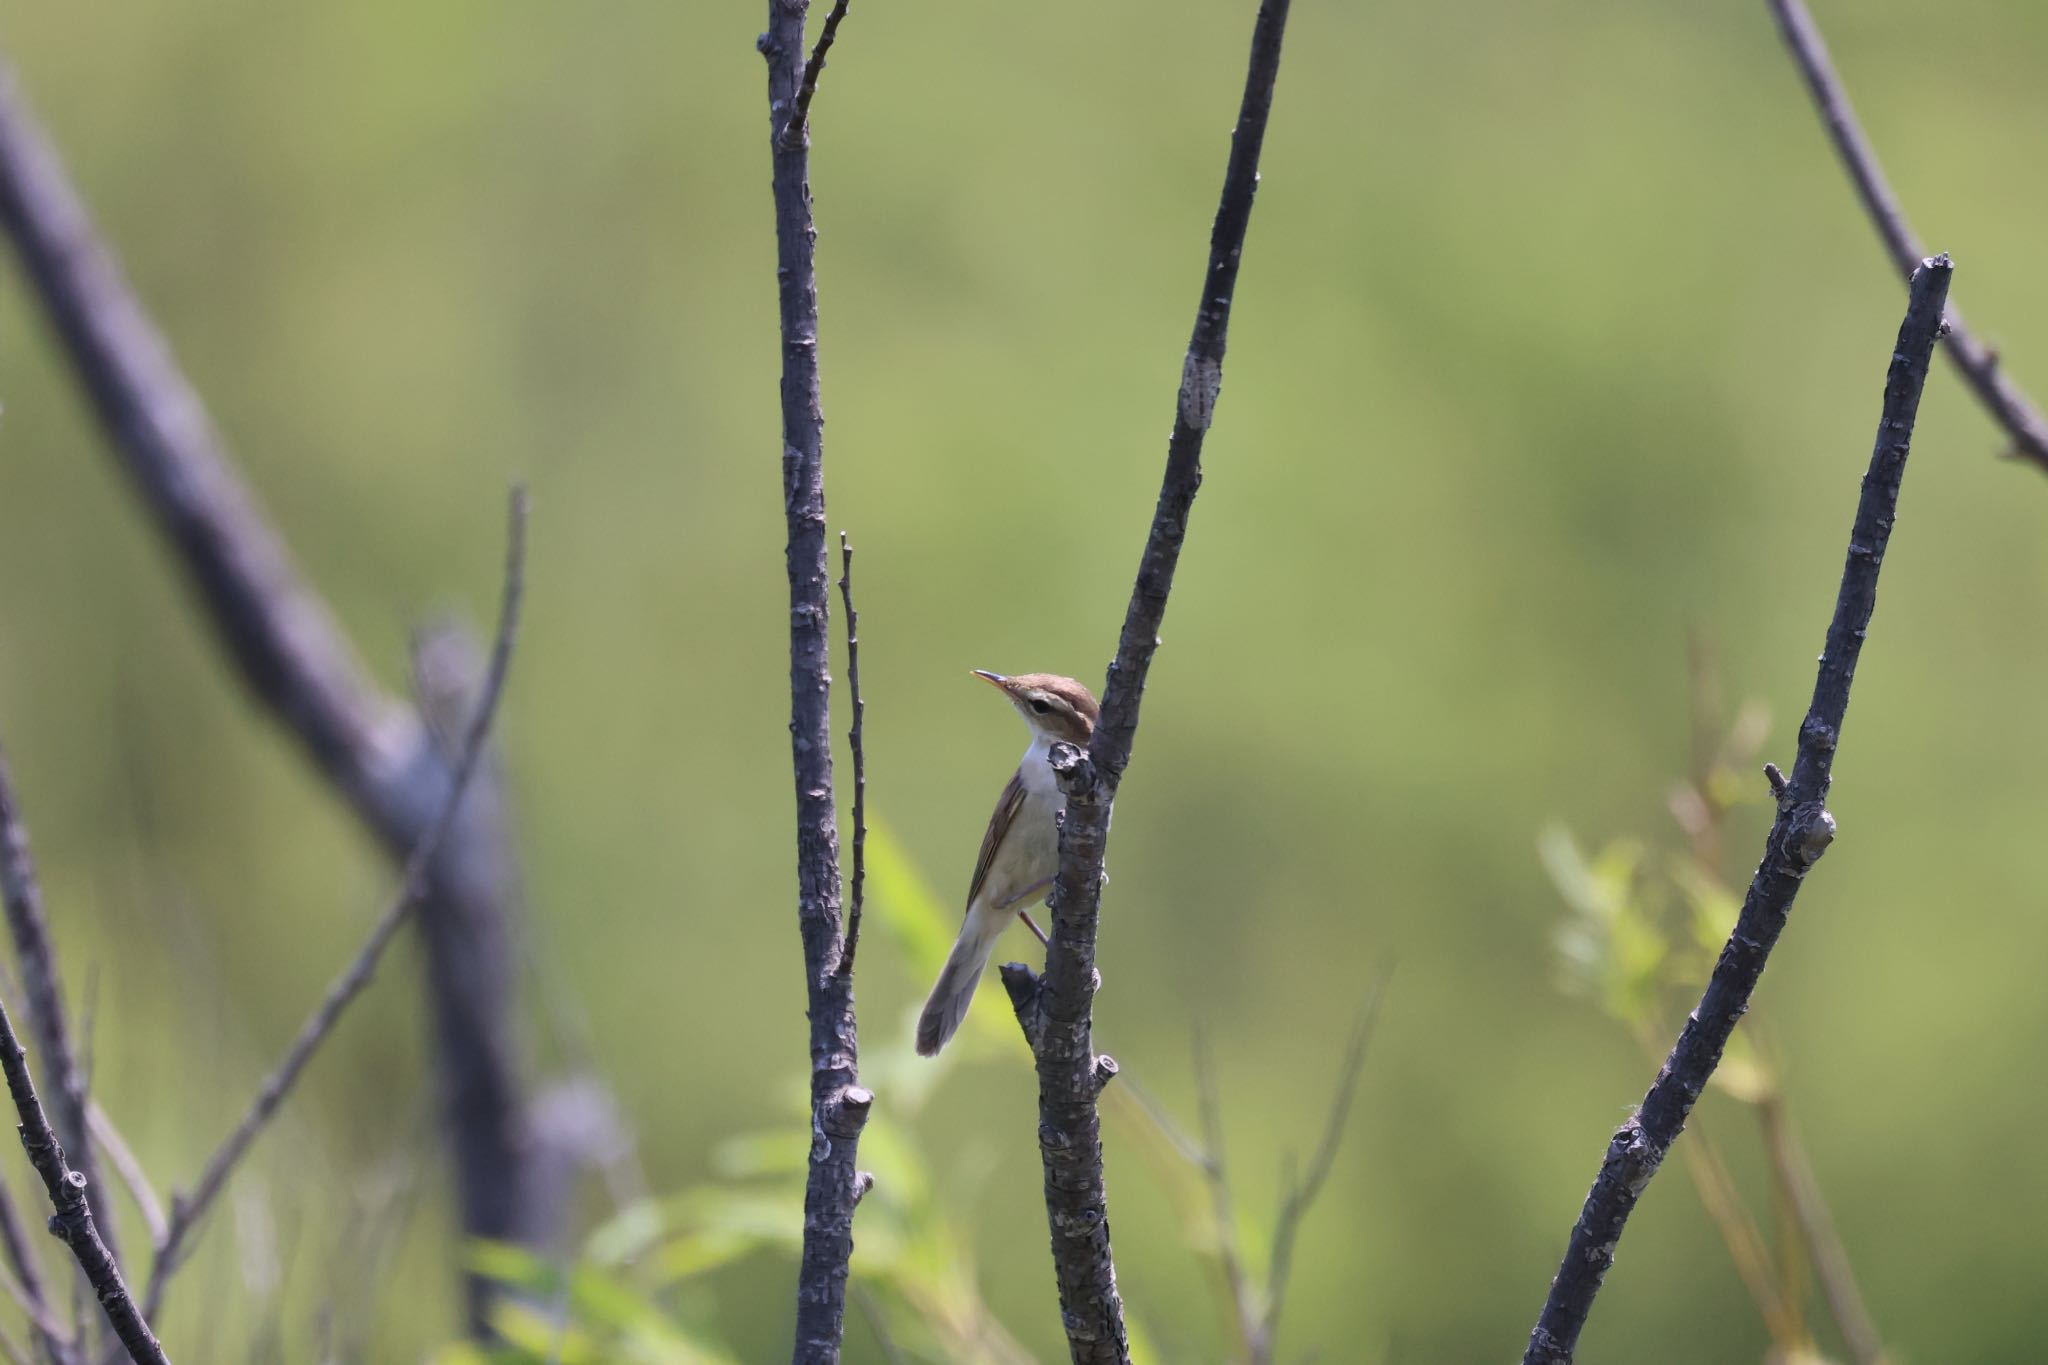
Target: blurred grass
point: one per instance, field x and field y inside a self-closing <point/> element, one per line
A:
<point x="1559" y="331"/>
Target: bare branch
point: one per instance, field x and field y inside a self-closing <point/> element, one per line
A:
<point x="1215" y="1167"/>
<point x="1056" y="1010"/>
<point x="839" y="1106"/>
<point x="187" y="1210"/>
<point x="1302" y="1196"/>
<point x="854" y="740"/>
<point x="294" y="659"/>
<point x="799" y="122"/>
<point x="74" y="1221"/>
<point x="1976" y="362"/>
<point x="1798" y="837"/>
<point x="47" y="1021"/>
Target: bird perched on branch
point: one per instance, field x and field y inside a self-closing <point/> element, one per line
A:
<point x="1021" y="851"/>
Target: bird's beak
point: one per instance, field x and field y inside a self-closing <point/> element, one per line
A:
<point x="992" y="679"/>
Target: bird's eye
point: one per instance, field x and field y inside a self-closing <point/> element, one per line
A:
<point x="1038" y="705"/>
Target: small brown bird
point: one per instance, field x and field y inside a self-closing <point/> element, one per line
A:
<point x="1021" y="851"/>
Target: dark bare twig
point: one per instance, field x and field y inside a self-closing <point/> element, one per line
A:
<point x="1255" y="1309"/>
<point x="188" y="1209"/>
<point x="73" y="1220"/>
<point x="860" y="760"/>
<point x="294" y="659"/>
<point x="47" y="1021"/>
<point x="839" y="1105"/>
<point x="1302" y="1196"/>
<point x="1798" y="837"/>
<point x="1056" y="1011"/>
<point x="1975" y="361"/>
<point x="799" y="121"/>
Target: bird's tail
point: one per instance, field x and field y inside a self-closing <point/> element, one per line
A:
<point x="961" y="974"/>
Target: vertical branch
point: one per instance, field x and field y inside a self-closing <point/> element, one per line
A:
<point x="855" y="741"/>
<point x="1798" y="837"/>
<point x="23" y="897"/>
<point x="1975" y="361"/>
<point x="1056" y="1011"/>
<point x="295" y="661"/>
<point x="839" y="1106"/>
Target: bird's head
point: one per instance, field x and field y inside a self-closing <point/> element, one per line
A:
<point x="1056" y="707"/>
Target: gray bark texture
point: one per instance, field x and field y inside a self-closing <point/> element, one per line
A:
<point x="839" y="1106"/>
<point x="1056" y="1011"/>
<point x="1800" y="834"/>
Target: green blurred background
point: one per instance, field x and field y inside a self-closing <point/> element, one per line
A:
<point x="1559" y="335"/>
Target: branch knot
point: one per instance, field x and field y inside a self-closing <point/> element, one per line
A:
<point x="1072" y="769"/>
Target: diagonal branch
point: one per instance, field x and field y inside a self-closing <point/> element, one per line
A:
<point x="188" y="1210"/>
<point x="23" y="896"/>
<point x="73" y="1221"/>
<point x="1799" y="835"/>
<point x="295" y="661"/>
<point x="1976" y="362"/>
<point x="1056" y="1011"/>
<point x="839" y="1106"/>
<point x="807" y="88"/>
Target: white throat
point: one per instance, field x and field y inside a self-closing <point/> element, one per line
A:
<point x="1035" y="768"/>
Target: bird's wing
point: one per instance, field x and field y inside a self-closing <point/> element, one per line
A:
<point x="1007" y="806"/>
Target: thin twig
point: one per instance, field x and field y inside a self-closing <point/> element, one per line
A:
<point x="47" y="1021"/>
<point x="1974" y="360"/>
<point x="1798" y="837"/>
<point x="122" y="1158"/>
<point x="1055" y="1012"/>
<point x="854" y="737"/>
<point x="839" y="1105"/>
<point x="73" y="1220"/>
<point x="188" y="1209"/>
<point x="799" y="121"/>
<point x="1817" y="1228"/>
<point x="290" y="653"/>
<point x="1301" y="1197"/>
<point x="51" y="1334"/>
<point x="1215" y="1167"/>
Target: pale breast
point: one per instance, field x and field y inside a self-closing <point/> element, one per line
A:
<point x="1030" y="852"/>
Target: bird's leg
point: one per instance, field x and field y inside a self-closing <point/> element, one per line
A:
<point x="1026" y="897"/>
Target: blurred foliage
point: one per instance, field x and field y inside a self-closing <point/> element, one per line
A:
<point x="1558" y="330"/>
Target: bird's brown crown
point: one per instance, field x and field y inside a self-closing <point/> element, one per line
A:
<point x="1049" y="702"/>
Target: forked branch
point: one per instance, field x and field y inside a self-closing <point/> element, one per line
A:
<point x="292" y="656"/>
<point x="839" y="1106"/>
